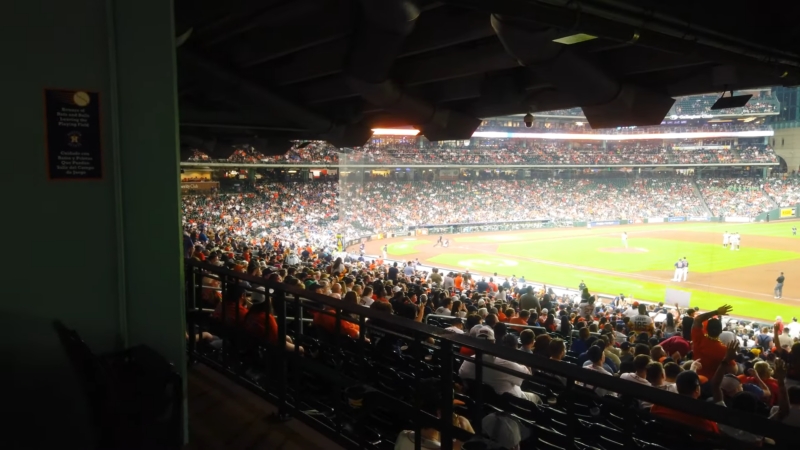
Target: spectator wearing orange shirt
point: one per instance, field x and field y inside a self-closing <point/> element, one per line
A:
<point x="459" y="281"/>
<point x="522" y="319"/>
<point x="234" y="306"/>
<point x="326" y="320"/>
<point x="707" y="347"/>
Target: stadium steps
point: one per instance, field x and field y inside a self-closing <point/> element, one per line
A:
<point x="771" y="200"/>
<point x="700" y="196"/>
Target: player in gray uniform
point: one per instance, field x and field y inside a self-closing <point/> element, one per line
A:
<point x="725" y="239"/>
<point x="678" y="270"/>
<point x="685" y="268"/>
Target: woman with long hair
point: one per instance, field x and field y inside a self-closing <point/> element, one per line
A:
<point x="669" y="326"/>
<point x="550" y="322"/>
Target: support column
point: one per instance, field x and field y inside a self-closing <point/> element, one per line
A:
<point x="103" y="255"/>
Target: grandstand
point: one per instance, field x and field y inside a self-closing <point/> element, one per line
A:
<point x="287" y="218"/>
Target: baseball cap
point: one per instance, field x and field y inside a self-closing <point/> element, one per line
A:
<point x="753" y="389"/>
<point x="504" y="430"/>
<point x="625" y="346"/>
<point x="485" y="333"/>
<point x="687" y="381"/>
<point x="481" y="302"/>
<point x="397" y="289"/>
<point x="635" y="303"/>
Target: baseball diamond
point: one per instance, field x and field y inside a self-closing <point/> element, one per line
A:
<point x="563" y="257"/>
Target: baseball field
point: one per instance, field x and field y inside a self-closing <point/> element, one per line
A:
<point x="644" y="270"/>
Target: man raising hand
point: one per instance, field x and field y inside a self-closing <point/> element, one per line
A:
<point x="708" y="347"/>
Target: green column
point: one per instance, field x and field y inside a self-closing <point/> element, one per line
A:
<point x="103" y="256"/>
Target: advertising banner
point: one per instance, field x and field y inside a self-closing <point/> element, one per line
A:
<point x="638" y="221"/>
<point x="655" y="220"/>
<point x="788" y="212"/>
<point x="605" y="223"/>
<point x="699" y="219"/>
<point x="677" y="219"/>
<point x="736" y="219"/>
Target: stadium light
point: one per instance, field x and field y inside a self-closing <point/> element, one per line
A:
<point x="394" y="132"/>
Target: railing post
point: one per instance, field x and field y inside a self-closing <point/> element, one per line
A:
<point x="479" y="385"/>
<point x="572" y="421"/>
<point x="279" y="304"/>
<point x="191" y="287"/>
<point x="362" y="351"/>
<point x="446" y="419"/>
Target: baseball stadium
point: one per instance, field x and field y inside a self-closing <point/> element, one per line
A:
<point x="643" y="269"/>
<point x="402" y="225"/>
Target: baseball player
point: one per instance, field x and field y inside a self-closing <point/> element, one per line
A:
<point x="794" y="231"/>
<point x="685" y="268"/>
<point x="625" y="239"/>
<point x="735" y="241"/>
<point x="725" y="239"/>
<point x="678" y="270"/>
<point x="361" y="248"/>
<point x="439" y="242"/>
<point x="385" y="250"/>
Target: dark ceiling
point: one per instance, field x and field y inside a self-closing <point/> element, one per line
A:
<point x="273" y="70"/>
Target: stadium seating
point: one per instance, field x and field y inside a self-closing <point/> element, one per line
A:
<point x="398" y="375"/>
<point x="734" y="196"/>
<point x="489" y="152"/>
<point x="785" y="192"/>
<point x="310" y="211"/>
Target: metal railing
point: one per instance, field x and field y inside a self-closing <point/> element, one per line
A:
<point x="353" y="388"/>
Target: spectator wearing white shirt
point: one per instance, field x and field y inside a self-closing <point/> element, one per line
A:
<point x="597" y="357"/>
<point x="794" y="328"/>
<point x="503" y="382"/>
<point x="640" y="363"/>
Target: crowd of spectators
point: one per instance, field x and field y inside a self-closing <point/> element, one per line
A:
<point x="484" y="151"/>
<point x="749" y="367"/>
<point x="784" y="191"/>
<point x="374" y="204"/>
<point x="742" y="197"/>
<point x="311" y="211"/>
<point x="696" y="105"/>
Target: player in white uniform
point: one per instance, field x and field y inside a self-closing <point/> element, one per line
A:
<point x="734" y="241"/>
<point x="738" y="240"/>
<point x="625" y="239"/>
<point x="678" y="270"/>
<point x="725" y="239"/>
<point x="685" y="268"/>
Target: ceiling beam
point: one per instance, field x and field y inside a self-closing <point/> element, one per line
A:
<point x="430" y="35"/>
<point x="418" y="71"/>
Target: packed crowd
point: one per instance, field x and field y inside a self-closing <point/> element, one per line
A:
<point x="741" y="197"/>
<point x="311" y="211"/>
<point x="746" y="366"/>
<point x="785" y="192"/>
<point x="695" y="105"/>
<point x="701" y="104"/>
<point x="484" y="151"/>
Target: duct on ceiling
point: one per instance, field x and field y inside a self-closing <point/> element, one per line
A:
<point x="605" y="101"/>
<point x="379" y="38"/>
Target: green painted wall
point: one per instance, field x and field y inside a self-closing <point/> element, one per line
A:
<point x="63" y="256"/>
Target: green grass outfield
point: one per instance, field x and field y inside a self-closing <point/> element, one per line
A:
<point x="557" y="246"/>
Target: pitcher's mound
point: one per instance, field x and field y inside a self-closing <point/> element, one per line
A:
<point x="623" y="250"/>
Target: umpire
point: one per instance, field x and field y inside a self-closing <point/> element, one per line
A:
<point x="779" y="286"/>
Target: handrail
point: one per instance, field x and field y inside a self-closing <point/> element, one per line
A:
<point x="748" y="422"/>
